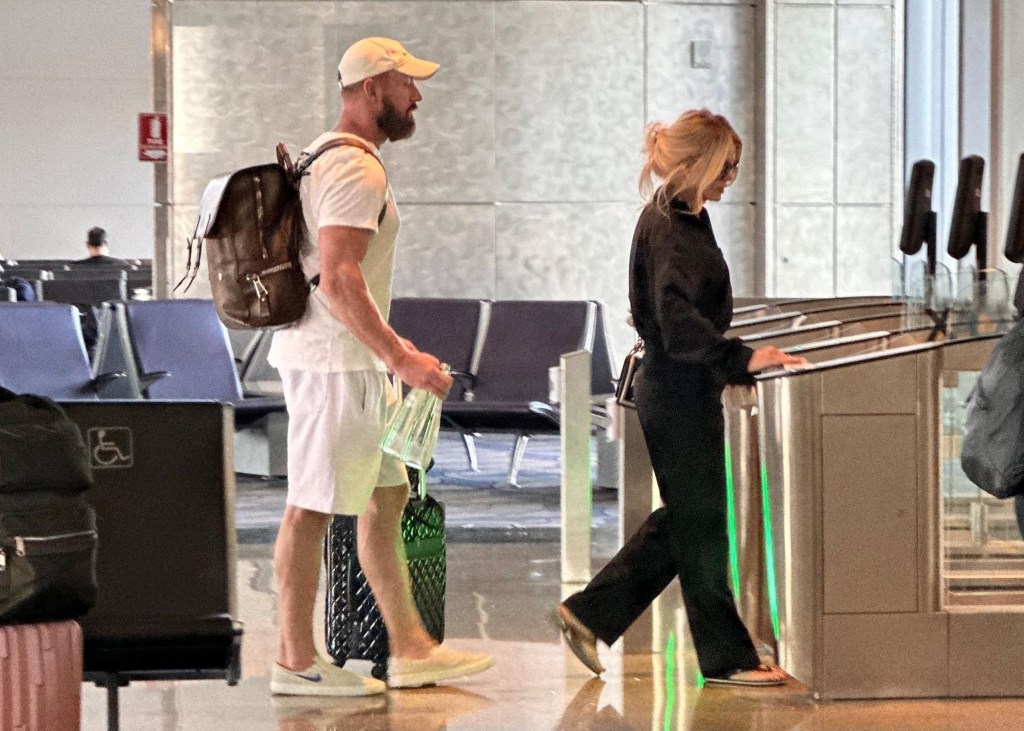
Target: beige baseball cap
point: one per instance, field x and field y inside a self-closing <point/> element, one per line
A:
<point x="372" y="56"/>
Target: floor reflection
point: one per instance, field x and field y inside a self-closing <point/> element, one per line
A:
<point x="431" y="709"/>
<point x="497" y="598"/>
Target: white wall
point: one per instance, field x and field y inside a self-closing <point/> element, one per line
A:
<point x="74" y="75"/>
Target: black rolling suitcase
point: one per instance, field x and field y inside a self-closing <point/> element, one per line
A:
<point x="355" y="630"/>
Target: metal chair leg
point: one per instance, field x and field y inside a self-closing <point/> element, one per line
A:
<point x="517" y="458"/>
<point x="470" y="445"/>
<point x="113" y="685"/>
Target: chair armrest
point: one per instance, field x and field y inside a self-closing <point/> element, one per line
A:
<point x="598" y="413"/>
<point x="551" y="411"/>
<point x="105" y="379"/>
<point x="148" y="379"/>
<point x="467" y="379"/>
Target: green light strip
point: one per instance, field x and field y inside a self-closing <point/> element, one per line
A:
<point x="769" y="553"/>
<point x="730" y="514"/>
<point x="670" y="680"/>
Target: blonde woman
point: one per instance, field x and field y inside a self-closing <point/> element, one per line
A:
<point x="681" y="302"/>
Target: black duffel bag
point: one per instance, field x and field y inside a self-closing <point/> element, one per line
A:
<point x="47" y="531"/>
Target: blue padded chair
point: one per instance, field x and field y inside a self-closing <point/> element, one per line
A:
<point x="42" y="352"/>
<point x="178" y="349"/>
<point x="87" y="294"/>
<point x="244" y="344"/>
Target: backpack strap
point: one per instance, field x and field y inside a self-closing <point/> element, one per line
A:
<point x="306" y="159"/>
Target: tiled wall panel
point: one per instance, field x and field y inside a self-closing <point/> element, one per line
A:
<point x="216" y="115"/>
<point x="804" y="118"/>
<point x="865" y="105"/>
<point x="805" y="247"/>
<point x="738" y="238"/>
<point x="445" y="251"/>
<point x="728" y="87"/>
<point x="555" y="251"/>
<point x="864" y="241"/>
<point x="569" y="100"/>
<point x="523" y="169"/>
<point x="832" y="79"/>
<point x="296" y="96"/>
<point x="451" y="157"/>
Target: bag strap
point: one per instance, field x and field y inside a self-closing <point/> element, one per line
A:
<point x="418" y="488"/>
<point x="306" y="159"/>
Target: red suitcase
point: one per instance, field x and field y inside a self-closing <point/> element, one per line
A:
<point x="41" y="676"/>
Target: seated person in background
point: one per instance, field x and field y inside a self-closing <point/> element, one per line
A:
<point x="99" y="251"/>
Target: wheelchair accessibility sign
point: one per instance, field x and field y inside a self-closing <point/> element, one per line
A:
<point x="110" y="447"/>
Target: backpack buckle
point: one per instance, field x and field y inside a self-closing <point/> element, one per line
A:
<point x="258" y="286"/>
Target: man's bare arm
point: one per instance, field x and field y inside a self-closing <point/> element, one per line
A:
<point x="342" y="248"/>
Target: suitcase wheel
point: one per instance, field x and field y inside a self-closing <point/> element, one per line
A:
<point x="380" y="671"/>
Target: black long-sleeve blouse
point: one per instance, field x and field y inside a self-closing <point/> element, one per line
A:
<point x="681" y="297"/>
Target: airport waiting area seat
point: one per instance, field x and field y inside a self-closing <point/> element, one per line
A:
<point x="87" y="294"/>
<point x="502" y="352"/>
<point x="444" y="327"/>
<point x="164" y="500"/>
<point x="179" y="349"/>
<point x="450" y="329"/>
<point x="43" y="352"/>
<point x="509" y="391"/>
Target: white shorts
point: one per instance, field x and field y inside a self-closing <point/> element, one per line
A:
<point x="335" y="424"/>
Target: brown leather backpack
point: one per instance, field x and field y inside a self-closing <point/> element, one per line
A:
<point x="251" y="223"/>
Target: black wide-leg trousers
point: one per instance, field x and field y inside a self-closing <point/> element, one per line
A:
<point x="684" y="428"/>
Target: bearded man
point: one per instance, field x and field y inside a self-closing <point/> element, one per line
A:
<point x="334" y="365"/>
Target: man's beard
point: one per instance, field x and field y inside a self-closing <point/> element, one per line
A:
<point x="394" y="125"/>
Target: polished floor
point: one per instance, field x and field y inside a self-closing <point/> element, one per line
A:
<point x="500" y="588"/>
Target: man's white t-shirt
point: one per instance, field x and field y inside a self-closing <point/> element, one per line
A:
<point x="344" y="187"/>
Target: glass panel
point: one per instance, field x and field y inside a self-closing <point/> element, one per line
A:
<point x="983" y="550"/>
